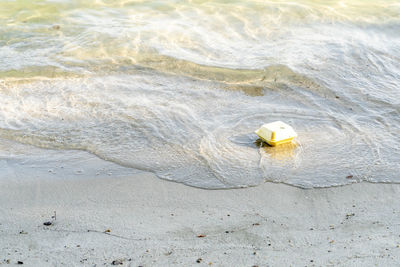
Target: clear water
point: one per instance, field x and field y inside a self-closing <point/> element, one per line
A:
<point x="178" y="87"/>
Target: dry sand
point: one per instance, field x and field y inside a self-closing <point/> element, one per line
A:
<point x="141" y="220"/>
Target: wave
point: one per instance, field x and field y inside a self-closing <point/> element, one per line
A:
<point x="185" y="130"/>
<point x="177" y="87"/>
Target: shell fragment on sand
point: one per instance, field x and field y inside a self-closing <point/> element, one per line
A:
<point x="276" y="133"/>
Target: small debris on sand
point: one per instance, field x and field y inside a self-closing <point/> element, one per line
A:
<point x="200" y="236"/>
<point x="47" y="223"/>
<point x="56" y="27"/>
<point x="107" y="231"/>
<point x="199" y="260"/>
<point x="349" y="176"/>
<point x="116" y="262"/>
<point x="20" y="262"/>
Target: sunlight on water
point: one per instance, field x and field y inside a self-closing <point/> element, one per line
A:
<point x="178" y="87"/>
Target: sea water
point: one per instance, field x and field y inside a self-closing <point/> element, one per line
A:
<point x="178" y="88"/>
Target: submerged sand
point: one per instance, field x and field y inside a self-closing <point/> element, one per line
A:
<point x="140" y="220"/>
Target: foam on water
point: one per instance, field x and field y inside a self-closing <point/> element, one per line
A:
<point x="198" y="133"/>
<point x="178" y="87"/>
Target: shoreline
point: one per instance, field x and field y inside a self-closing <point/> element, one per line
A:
<point x="141" y="220"/>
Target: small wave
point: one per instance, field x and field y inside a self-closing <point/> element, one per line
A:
<point x="165" y="125"/>
<point x="179" y="88"/>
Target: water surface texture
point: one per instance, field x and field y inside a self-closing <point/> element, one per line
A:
<point x="178" y="87"/>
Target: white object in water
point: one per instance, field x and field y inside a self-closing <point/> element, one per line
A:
<point x="276" y="133"/>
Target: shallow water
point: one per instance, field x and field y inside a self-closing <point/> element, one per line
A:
<point x="178" y="87"/>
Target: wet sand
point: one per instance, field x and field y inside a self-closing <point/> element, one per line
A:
<point x="140" y="220"/>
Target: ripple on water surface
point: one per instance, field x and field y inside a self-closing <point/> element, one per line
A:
<point x="178" y="87"/>
<point x="198" y="133"/>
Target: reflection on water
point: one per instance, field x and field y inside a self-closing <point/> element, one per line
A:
<point x="281" y="152"/>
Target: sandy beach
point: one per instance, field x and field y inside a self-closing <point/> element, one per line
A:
<point x="140" y="220"/>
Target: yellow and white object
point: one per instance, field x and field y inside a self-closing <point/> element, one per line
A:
<point x="276" y="133"/>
